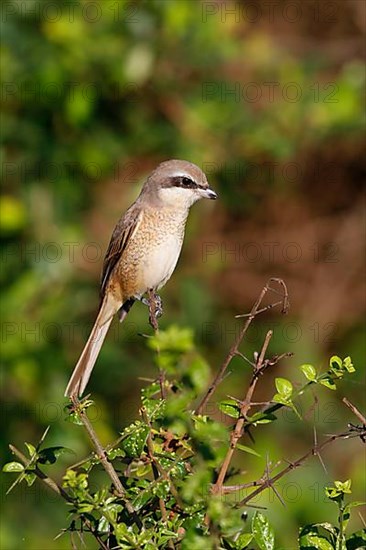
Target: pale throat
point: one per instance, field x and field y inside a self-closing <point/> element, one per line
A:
<point x="177" y="197"/>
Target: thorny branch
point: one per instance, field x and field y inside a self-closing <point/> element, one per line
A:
<point x="234" y="350"/>
<point x="314" y="451"/>
<point x="101" y="454"/>
<point x="51" y="484"/>
<point x="355" y="411"/>
<point x="244" y="409"/>
<point x="154" y="466"/>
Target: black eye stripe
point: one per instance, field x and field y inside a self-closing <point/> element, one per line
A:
<point x="183" y="181"/>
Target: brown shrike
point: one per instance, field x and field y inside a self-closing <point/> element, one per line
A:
<point x="143" y="251"/>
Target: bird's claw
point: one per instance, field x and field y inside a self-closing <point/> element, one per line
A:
<point x="155" y="304"/>
<point x="158" y="305"/>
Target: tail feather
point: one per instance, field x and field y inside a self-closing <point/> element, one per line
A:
<point x="89" y="355"/>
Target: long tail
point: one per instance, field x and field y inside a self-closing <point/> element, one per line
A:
<point x="85" y="365"/>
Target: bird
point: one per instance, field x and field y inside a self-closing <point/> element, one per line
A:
<point x="143" y="252"/>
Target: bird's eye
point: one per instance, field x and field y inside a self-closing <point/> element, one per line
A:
<point x="187" y="182"/>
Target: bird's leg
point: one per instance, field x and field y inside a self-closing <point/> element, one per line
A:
<point x="158" y="303"/>
<point x="155" y="308"/>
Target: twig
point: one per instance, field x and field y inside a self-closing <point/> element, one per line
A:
<point x="355" y="411"/>
<point x="153" y="320"/>
<point x="246" y="405"/>
<point x="150" y="452"/>
<point x="262" y="310"/>
<point x="51" y="484"/>
<point x="314" y="451"/>
<point x="159" y="468"/>
<point x="43" y="477"/>
<point x="235" y="346"/>
<point x="101" y="454"/>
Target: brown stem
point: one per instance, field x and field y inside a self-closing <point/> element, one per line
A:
<point x="154" y="466"/>
<point x="159" y="468"/>
<point x="43" y="477"/>
<point x="355" y="411"/>
<point x="314" y="451"/>
<point x="235" y="346"/>
<point x="244" y="409"/>
<point x="101" y="454"/>
<point x="51" y="484"/>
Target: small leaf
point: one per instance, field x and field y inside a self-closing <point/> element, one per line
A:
<point x="51" y="454"/>
<point x="328" y="383"/>
<point x="284" y="387"/>
<point x="348" y="365"/>
<point x="30" y="478"/>
<point x="262" y="418"/>
<point x="247" y="449"/>
<point x="263" y="532"/>
<point x="244" y="540"/>
<point x="230" y="408"/>
<point x="354" y="504"/>
<point x="344" y="486"/>
<point x="335" y="362"/>
<point x="309" y="372"/>
<point x="142" y="499"/>
<point x="315" y="542"/>
<point x="31" y="449"/>
<point x="278" y="398"/>
<point x="134" y="444"/>
<point x="357" y="540"/>
<point x="11" y="467"/>
<point x="311" y="539"/>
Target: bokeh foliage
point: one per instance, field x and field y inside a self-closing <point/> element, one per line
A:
<point x="92" y="99"/>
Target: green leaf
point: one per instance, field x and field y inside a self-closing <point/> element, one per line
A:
<point x="197" y="374"/>
<point x="230" y="408"/>
<point x="30" y="478"/>
<point x="348" y="365"/>
<point x="74" y="415"/>
<point x="315" y="542"/>
<point x="31" y="449"/>
<point x="278" y="398"/>
<point x="263" y="532"/>
<point x="340" y="488"/>
<point x="51" y="454"/>
<point x="142" y="499"/>
<point x="335" y="362"/>
<point x="113" y="453"/>
<point x="328" y="382"/>
<point x="174" y="338"/>
<point x="262" y="418"/>
<point x="310" y="537"/>
<point x="284" y="387"/>
<point x="344" y="486"/>
<point x="357" y="540"/>
<point x="134" y="444"/>
<point x="11" y="467"/>
<point x="309" y="372"/>
<point x="243" y="541"/>
<point x="151" y="390"/>
<point x="247" y="449"/>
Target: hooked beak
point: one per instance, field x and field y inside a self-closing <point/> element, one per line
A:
<point x="208" y="193"/>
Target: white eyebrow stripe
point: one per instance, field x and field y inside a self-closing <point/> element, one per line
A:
<point x="181" y="175"/>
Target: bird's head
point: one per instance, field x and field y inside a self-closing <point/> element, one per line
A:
<point x="178" y="183"/>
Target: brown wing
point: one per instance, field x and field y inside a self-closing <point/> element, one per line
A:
<point x="121" y="235"/>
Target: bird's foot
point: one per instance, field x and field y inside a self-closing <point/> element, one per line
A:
<point x="155" y="305"/>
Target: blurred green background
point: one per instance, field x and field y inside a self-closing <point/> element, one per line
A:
<point x="267" y="98"/>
